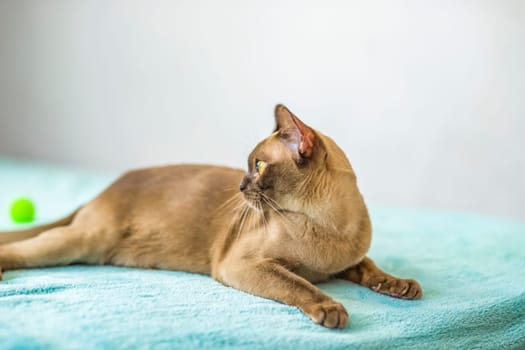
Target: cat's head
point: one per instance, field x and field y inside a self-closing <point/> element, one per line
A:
<point x="295" y="168"/>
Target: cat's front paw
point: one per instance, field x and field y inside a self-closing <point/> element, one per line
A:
<point x="398" y="288"/>
<point x="331" y="314"/>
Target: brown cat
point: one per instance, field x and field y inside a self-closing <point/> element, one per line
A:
<point x="298" y="219"/>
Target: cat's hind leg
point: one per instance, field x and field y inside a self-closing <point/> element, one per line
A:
<point x="366" y="273"/>
<point x="56" y="247"/>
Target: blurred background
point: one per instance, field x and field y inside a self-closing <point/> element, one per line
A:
<point x="426" y="97"/>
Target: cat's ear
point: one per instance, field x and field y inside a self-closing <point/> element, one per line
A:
<point x="294" y="132"/>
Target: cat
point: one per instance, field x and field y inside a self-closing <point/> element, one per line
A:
<point x="295" y="218"/>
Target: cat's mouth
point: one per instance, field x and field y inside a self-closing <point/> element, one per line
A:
<point x="254" y="199"/>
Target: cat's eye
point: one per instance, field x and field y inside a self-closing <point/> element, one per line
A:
<point x="260" y="165"/>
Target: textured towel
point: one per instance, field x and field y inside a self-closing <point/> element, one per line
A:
<point x="472" y="270"/>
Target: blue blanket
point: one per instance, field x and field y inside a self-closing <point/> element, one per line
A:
<point x="472" y="270"/>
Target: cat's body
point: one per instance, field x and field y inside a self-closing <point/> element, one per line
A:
<point x="298" y="219"/>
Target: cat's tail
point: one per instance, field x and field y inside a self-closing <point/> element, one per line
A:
<point x="14" y="236"/>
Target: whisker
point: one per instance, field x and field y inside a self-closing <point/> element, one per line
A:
<point x="231" y="200"/>
<point x="254" y="216"/>
<point x="271" y="200"/>
<point x="276" y="210"/>
<point x="230" y="188"/>
<point x="244" y="214"/>
<point x="231" y="230"/>
<point x="285" y="220"/>
<point x="265" y="222"/>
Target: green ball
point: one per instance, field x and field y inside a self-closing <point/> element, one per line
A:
<point x="22" y="210"/>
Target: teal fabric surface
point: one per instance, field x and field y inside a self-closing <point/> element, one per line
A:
<point x="472" y="270"/>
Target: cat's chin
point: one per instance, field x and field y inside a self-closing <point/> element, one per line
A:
<point x="254" y="201"/>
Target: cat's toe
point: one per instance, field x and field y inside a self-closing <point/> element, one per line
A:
<point x="413" y="290"/>
<point x="331" y="314"/>
<point x="400" y="288"/>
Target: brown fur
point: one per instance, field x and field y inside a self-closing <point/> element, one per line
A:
<point x="300" y="221"/>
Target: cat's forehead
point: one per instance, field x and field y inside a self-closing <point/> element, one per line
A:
<point x="271" y="149"/>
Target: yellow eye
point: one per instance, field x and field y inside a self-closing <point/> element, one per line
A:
<point x="260" y="165"/>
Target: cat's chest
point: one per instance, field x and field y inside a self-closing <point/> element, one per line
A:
<point x="308" y="245"/>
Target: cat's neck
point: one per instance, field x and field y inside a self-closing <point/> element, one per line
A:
<point x="333" y="202"/>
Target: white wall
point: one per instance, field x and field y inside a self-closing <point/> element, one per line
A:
<point x="426" y="97"/>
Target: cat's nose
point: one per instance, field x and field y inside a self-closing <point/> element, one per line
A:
<point x="242" y="187"/>
<point x="244" y="183"/>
